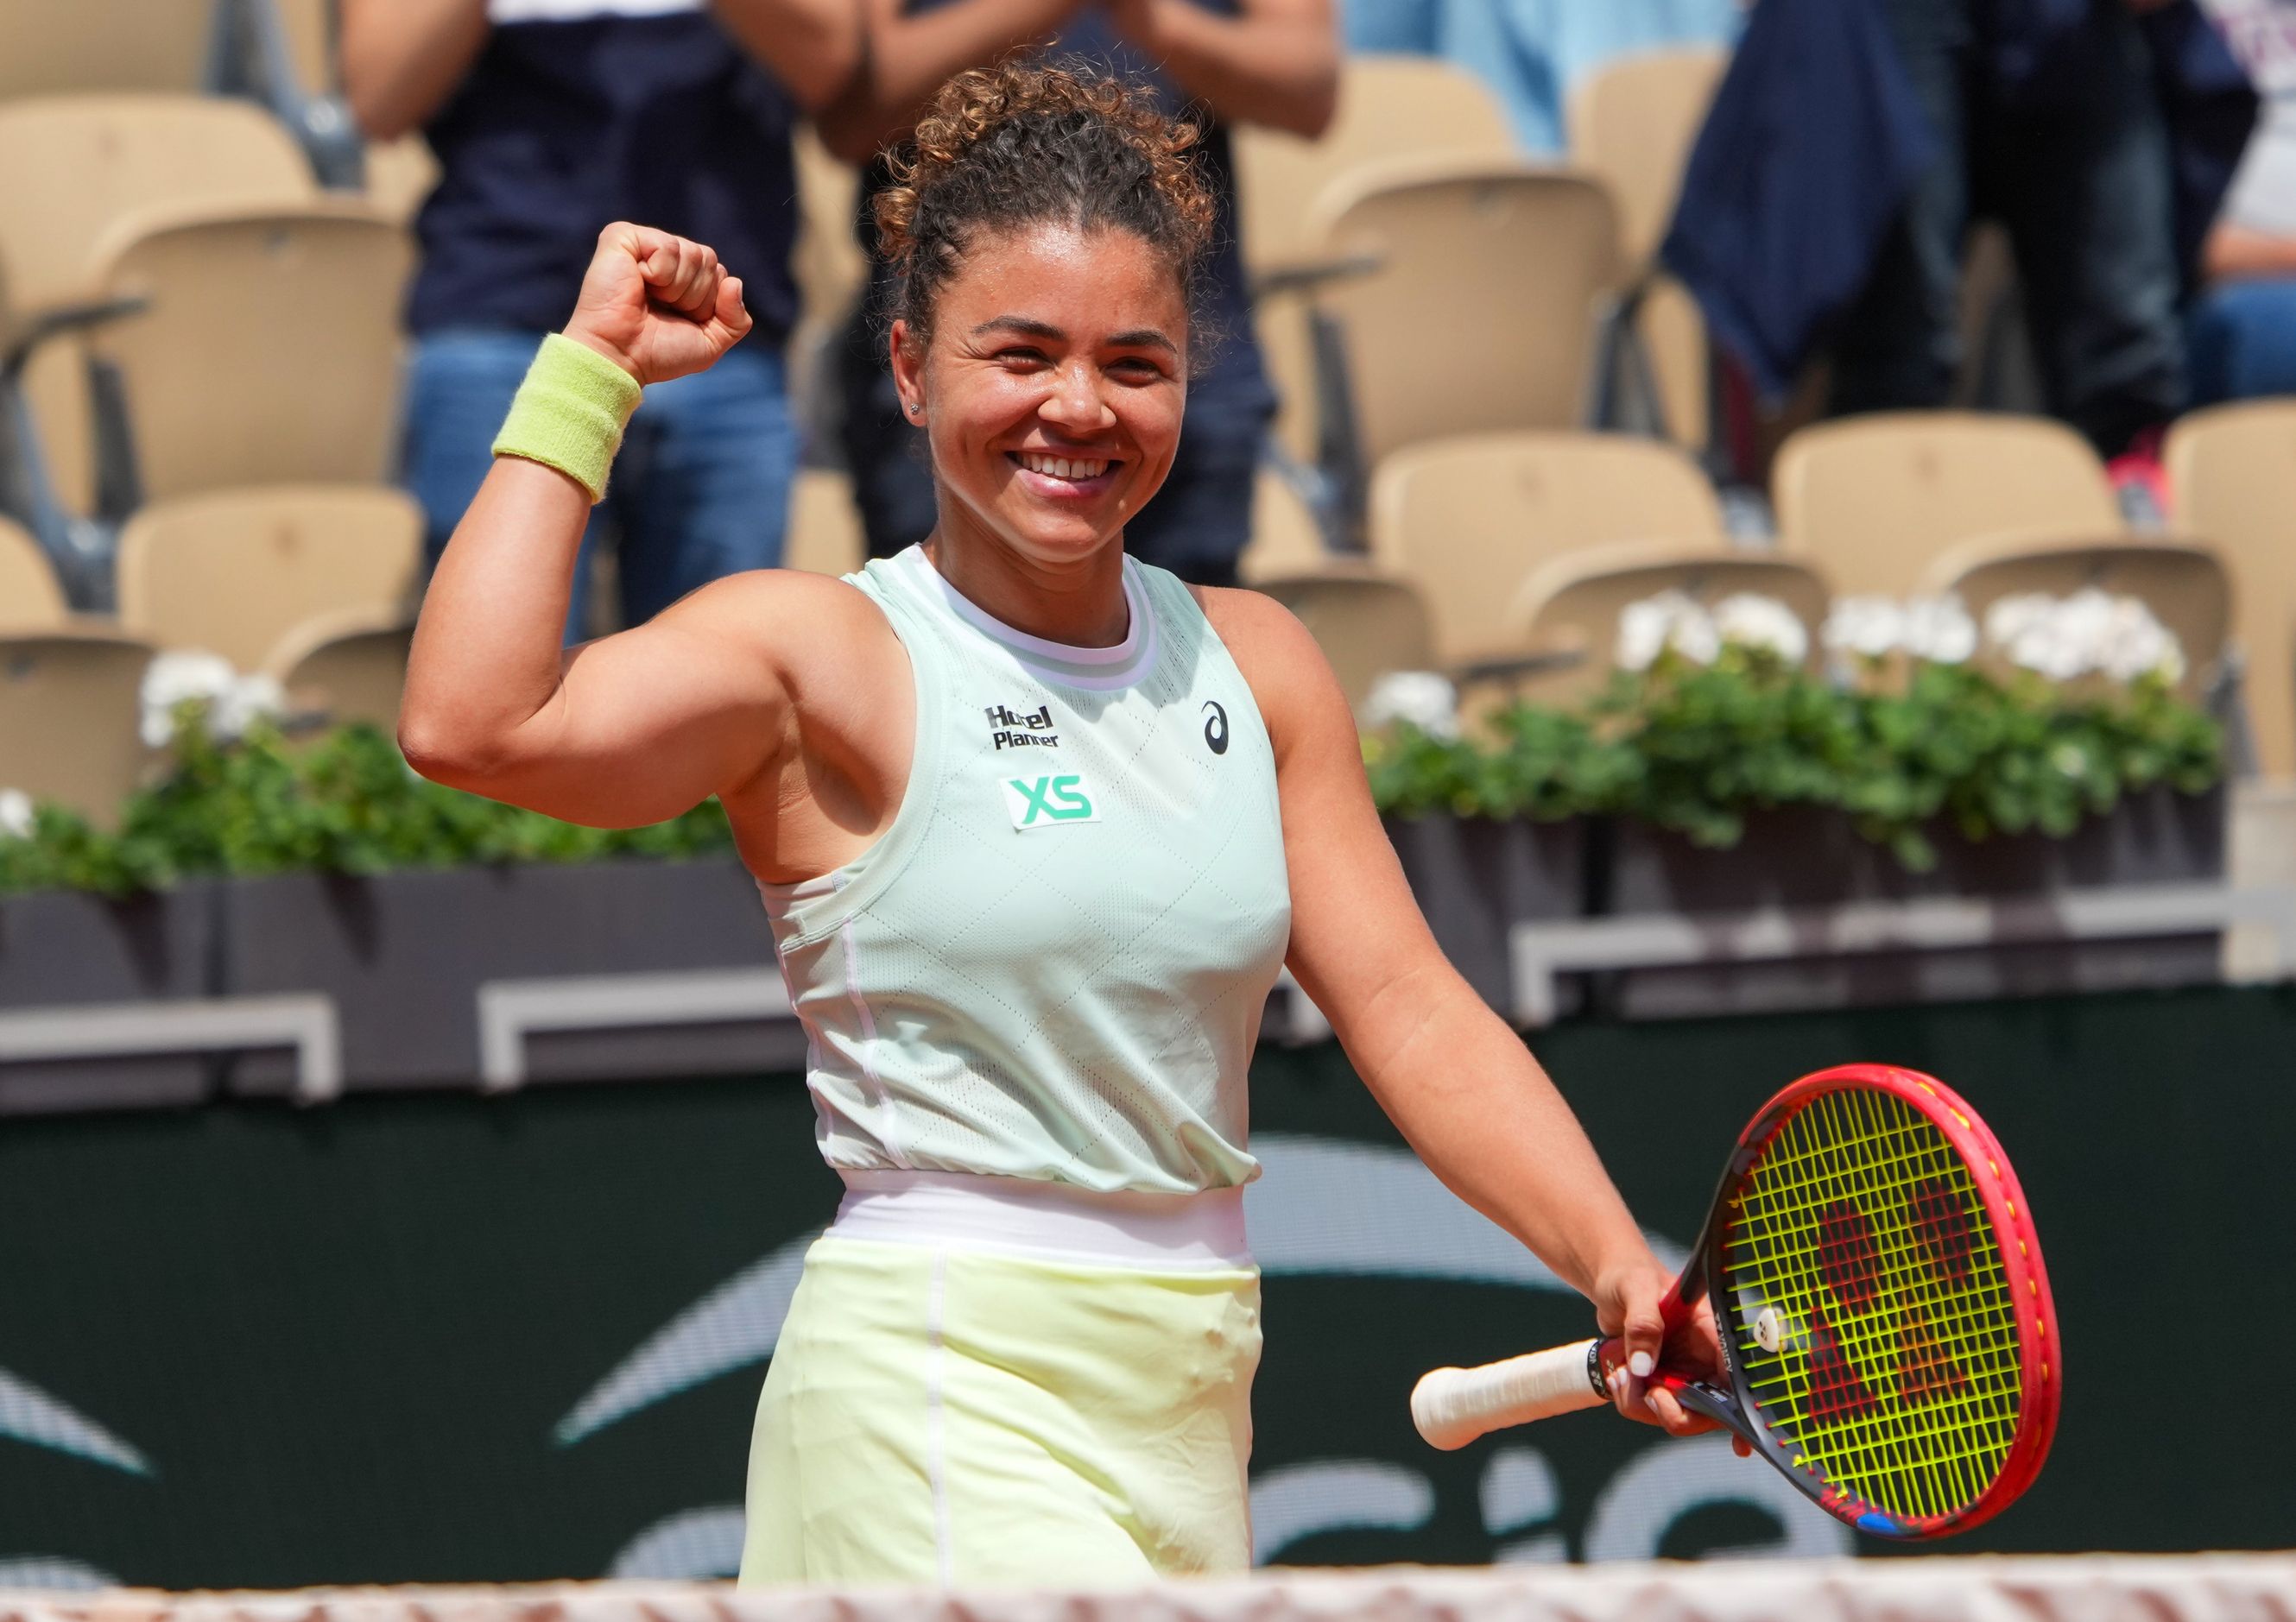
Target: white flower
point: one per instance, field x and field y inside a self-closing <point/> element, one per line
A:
<point x="16" y="818"/>
<point x="2138" y="644"/>
<point x="251" y="699"/>
<point x="1940" y="630"/>
<point x="1750" y="620"/>
<point x="2090" y="632"/>
<point x="1421" y="697"/>
<point x="2011" y="617"/>
<point x="1670" y="619"/>
<point x="1872" y="627"/>
<point x="232" y="701"/>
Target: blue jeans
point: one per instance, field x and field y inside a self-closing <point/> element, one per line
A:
<point x="2242" y="338"/>
<point x="700" y="489"/>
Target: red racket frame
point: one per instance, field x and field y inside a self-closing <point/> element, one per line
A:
<point x="2028" y="1279"/>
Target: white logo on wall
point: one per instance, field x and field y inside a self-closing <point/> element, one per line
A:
<point x="30" y="1414"/>
<point x="1325" y="1205"/>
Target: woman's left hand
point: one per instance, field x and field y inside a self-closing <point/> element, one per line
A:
<point x="1628" y="1304"/>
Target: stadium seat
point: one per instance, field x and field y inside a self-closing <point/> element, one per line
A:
<point x="59" y="46"/>
<point x="2232" y="476"/>
<point x="1367" y="624"/>
<point x="70" y="709"/>
<point x="268" y="352"/>
<point x="1467" y="520"/>
<point x="70" y="168"/>
<point x="234" y="571"/>
<point x="1874" y="499"/>
<point x="1388" y="106"/>
<point x="1565" y="618"/>
<point x="1481" y="314"/>
<point x="830" y="271"/>
<point x="2185" y="585"/>
<point x="1285" y="537"/>
<point x="1633" y="122"/>
<point x="29" y="597"/>
<point x="399" y="176"/>
<point x="344" y="666"/>
<point x="824" y="527"/>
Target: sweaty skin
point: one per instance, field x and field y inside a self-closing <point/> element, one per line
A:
<point x="1053" y="386"/>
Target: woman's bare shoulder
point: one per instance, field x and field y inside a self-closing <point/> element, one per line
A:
<point x="1289" y="678"/>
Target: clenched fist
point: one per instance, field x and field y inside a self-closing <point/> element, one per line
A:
<point x="656" y="304"/>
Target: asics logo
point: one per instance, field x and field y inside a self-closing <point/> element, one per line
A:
<point x="1216" y="726"/>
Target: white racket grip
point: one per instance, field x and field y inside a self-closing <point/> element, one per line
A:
<point x="1454" y="1406"/>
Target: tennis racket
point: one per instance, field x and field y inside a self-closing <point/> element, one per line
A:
<point x="1888" y="1338"/>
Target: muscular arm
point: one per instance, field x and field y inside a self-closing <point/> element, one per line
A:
<point x="1459" y="1084"/>
<point x="813" y="47"/>
<point x="1275" y="62"/>
<point x="906" y="59"/>
<point x="402" y="58"/>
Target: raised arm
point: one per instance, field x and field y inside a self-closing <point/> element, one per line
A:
<point x="812" y="46"/>
<point x="1459" y="1084"/>
<point x="906" y="58"/>
<point x="1274" y="62"/>
<point x="639" y="726"/>
<point x="401" y="58"/>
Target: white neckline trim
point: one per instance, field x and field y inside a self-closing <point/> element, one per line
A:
<point x="1108" y="667"/>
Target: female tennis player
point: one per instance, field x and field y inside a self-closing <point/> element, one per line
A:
<point x="1037" y="827"/>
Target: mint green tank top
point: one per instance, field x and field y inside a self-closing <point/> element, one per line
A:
<point x="1053" y="964"/>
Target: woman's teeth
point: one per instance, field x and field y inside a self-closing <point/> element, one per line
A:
<point x="1062" y="467"/>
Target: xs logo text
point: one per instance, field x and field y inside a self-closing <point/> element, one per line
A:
<point x="1046" y="802"/>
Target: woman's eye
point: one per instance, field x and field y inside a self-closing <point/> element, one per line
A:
<point x="1021" y="357"/>
<point x="1134" y="368"/>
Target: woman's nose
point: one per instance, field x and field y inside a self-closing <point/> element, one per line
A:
<point x="1075" y="401"/>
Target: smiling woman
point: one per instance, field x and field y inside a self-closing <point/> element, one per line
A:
<point x="1037" y="827"/>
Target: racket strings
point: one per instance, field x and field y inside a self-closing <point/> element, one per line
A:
<point x="1902" y="1381"/>
<point x="1867" y="1442"/>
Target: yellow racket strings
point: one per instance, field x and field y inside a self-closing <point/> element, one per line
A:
<point x="1897" y="1371"/>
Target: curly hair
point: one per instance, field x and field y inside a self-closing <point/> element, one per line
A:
<point x="1016" y="145"/>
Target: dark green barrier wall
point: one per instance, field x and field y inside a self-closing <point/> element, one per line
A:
<point x="345" y="1343"/>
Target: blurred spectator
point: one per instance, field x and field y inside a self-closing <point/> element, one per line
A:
<point x="551" y="119"/>
<point x="2242" y="329"/>
<point x="2045" y="115"/>
<point x="1533" y="52"/>
<point x="1266" y="61"/>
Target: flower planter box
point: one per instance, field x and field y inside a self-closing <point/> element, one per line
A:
<point x="1796" y="858"/>
<point x="1475" y="877"/>
<point x="63" y="948"/>
<point x="403" y="956"/>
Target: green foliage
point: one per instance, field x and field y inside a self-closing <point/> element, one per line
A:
<point x="343" y="802"/>
<point x="1696" y="748"/>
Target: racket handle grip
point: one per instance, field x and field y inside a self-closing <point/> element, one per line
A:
<point x="1454" y="1406"/>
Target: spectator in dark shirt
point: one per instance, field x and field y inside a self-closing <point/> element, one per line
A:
<point x="2243" y="324"/>
<point x="2046" y="115"/>
<point x="551" y="119"/>
<point x="1266" y="61"/>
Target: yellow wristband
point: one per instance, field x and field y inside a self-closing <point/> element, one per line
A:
<point x="570" y="413"/>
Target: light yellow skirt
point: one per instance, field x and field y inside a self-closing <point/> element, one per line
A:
<point x="955" y="1416"/>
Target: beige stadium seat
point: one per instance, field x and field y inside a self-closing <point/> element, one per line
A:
<point x="1285" y="537"/>
<point x="29" y="597"/>
<point x="1367" y="624"/>
<point x="309" y="28"/>
<point x="399" y="176"/>
<point x="824" y="526"/>
<point x="234" y="571"/>
<point x="60" y="46"/>
<point x="1873" y="499"/>
<point x="1633" y="122"/>
<point x="828" y="262"/>
<point x="69" y="716"/>
<point x="269" y="350"/>
<point x="345" y="666"/>
<point x="2185" y="586"/>
<point x="2232" y="471"/>
<point x="1467" y="520"/>
<point x="1482" y="313"/>
<point x="1565" y="618"/>
<point x="1388" y="106"/>
<point x="70" y="168"/>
